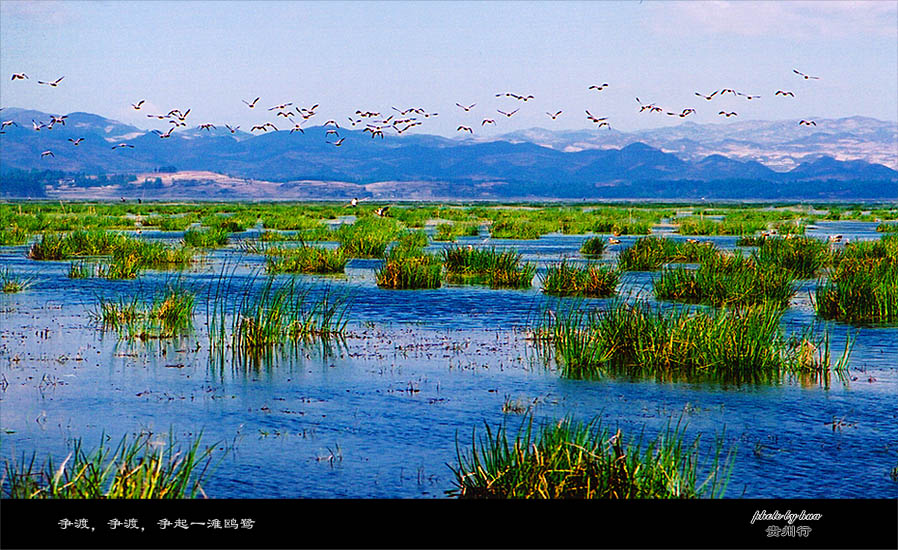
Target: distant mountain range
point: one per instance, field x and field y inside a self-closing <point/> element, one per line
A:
<point x="838" y="159"/>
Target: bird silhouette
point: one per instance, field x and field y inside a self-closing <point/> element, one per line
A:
<point x="599" y="88"/>
<point x="593" y="118"/>
<point x="806" y="77"/>
<point x="807" y="123"/>
<point x="553" y="117"/>
<point x="232" y="130"/>
<point x="76" y="141"/>
<point x="53" y="84"/>
<point x="251" y="105"/>
<point x="19" y="76"/>
<point x="468" y="108"/>
<point x="297" y="128"/>
<point x="382" y="211"/>
<point x="138" y="104"/>
<point x="122" y="145"/>
<point x="728" y="115"/>
<point x="464" y="129"/>
<point x="509" y="115"/>
<point x="784" y="93"/>
<point x="206" y="126"/>
<point x="280" y="107"/>
<point x="337" y="143"/>
<point x="487" y="121"/>
<point x="8" y="123"/>
<point x="48" y="154"/>
<point x="708" y="97"/>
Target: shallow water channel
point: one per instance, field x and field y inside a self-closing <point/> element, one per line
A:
<point x="380" y="414"/>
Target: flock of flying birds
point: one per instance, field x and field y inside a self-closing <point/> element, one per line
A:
<point x="376" y="123"/>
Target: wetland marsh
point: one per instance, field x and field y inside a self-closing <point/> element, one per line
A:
<point x="320" y="351"/>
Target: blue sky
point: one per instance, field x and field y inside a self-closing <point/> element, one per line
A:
<point x="208" y="56"/>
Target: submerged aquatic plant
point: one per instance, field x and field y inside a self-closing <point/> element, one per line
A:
<point x="571" y="459"/>
<point x="144" y="467"/>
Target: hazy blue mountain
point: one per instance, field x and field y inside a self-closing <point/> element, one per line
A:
<point x="512" y="166"/>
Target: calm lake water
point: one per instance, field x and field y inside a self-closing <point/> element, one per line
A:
<point x="380" y="415"/>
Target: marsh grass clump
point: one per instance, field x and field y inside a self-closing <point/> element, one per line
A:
<point x="726" y="281"/>
<point x="13" y="236"/>
<point x="489" y="266"/>
<point x="406" y="269"/>
<point x="168" y="315"/>
<point x="803" y="256"/>
<point x="570" y="459"/>
<point x="593" y="246"/>
<point x="519" y="229"/>
<point x="368" y="237"/>
<point x="887" y="227"/>
<point x="743" y="345"/>
<point x="305" y="259"/>
<point x="60" y="246"/>
<point x="81" y="270"/>
<point x="143" y="467"/>
<point x="171" y="223"/>
<point x="11" y="284"/>
<point x="211" y="237"/>
<point x="593" y="281"/>
<point x="451" y="231"/>
<point x="650" y="253"/>
<point x="751" y="240"/>
<point x="255" y="321"/>
<point x="863" y="284"/>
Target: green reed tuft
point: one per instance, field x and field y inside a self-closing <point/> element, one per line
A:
<point x="593" y="281"/>
<point x="571" y="459"/>
<point x="489" y="266"/>
<point x="143" y="467"/>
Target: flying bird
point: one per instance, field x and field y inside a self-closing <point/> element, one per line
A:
<point x="206" y="127"/>
<point x="37" y="126"/>
<point x="121" y="145"/>
<point x="329" y="132"/>
<point x="138" y="104"/>
<point x="708" y="97"/>
<point x="464" y="129"/>
<point x="233" y="130"/>
<point x="76" y="141"/>
<point x="783" y="93"/>
<point x="728" y="115"/>
<point x="747" y="96"/>
<point x="250" y="105"/>
<point x="509" y="115"/>
<point x="297" y="128"/>
<point x="53" y="84"/>
<point x="807" y="123"/>
<point x="8" y="123"/>
<point x="280" y="107"/>
<point x="593" y="118"/>
<point x="806" y="77"/>
<point x="599" y="87"/>
<point x="19" y="76"/>
<point x="353" y="202"/>
<point x="468" y="108"/>
<point x="487" y="121"/>
<point x="553" y="117"/>
<point x="338" y="143"/>
<point x="48" y="154"/>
